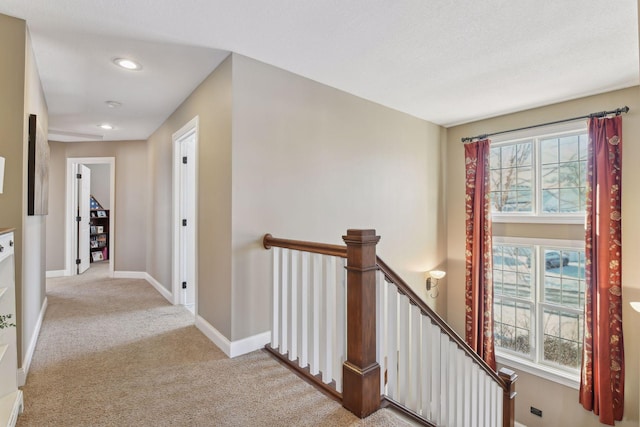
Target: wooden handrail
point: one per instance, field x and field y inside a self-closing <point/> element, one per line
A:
<point x="318" y="248"/>
<point x="405" y="289"/>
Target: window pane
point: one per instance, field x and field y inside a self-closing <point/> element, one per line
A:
<point x="512" y="326"/>
<point x="564" y="278"/>
<point x="569" y="200"/>
<point x="512" y="271"/>
<point x="569" y="149"/>
<point x="550" y="201"/>
<point x="523" y="154"/>
<point x="549" y="151"/>
<point x="583" y="146"/>
<point x="524" y="178"/>
<point x="569" y="174"/>
<point x="508" y="156"/>
<point x="494" y="158"/>
<point x="550" y="177"/>
<point x="562" y="338"/>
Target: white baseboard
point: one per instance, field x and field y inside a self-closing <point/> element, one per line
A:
<point x="235" y="348"/>
<point x="129" y="275"/>
<point x="158" y="286"/>
<point x="26" y="361"/>
<point x="517" y="424"/>
<point x="56" y="273"/>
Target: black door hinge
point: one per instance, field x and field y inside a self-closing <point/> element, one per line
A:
<point x="78" y="218"/>
<point x="78" y="261"/>
<point x="184" y="285"/>
<point x="79" y="175"/>
<point x="184" y="222"/>
<point x="184" y="160"/>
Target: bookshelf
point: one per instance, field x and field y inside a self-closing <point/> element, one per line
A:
<point x="99" y="235"/>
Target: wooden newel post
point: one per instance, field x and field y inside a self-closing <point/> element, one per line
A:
<point x="361" y="372"/>
<point x="509" y="397"/>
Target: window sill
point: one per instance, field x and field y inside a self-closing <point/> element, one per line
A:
<point x="530" y="219"/>
<point x="547" y="372"/>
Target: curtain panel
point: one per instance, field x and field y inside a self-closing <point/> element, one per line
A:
<point x="602" y="373"/>
<point x="478" y="252"/>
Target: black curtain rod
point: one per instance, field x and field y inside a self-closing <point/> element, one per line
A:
<point x="617" y="112"/>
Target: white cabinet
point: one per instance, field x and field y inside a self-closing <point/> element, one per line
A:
<point x="10" y="397"/>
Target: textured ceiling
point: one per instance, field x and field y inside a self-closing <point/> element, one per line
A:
<point x="446" y="61"/>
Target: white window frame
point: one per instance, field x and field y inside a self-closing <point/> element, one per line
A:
<point x="536" y="366"/>
<point x="537" y="216"/>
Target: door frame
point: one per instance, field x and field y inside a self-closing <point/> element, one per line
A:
<point x="71" y="231"/>
<point x="191" y="127"/>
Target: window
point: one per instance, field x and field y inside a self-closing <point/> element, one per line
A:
<point x="539" y="292"/>
<point x="539" y="177"/>
<point x="539" y="283"/>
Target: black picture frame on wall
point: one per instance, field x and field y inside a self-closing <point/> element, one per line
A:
<point x="37" y="170"/>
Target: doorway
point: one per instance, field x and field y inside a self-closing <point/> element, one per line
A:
<point x="77" y="221"/>
<point x="185" y="255"/>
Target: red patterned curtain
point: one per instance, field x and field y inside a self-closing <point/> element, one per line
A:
<point x="478" y="281"/>
<point x="602" y="379"/>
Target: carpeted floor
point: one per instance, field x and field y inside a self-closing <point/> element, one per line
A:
<point x="113" y="352"/>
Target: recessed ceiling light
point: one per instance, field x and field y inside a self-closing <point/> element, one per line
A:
<point x="113" y="104"/>
<point x="128" y="64"/>
<point x="105" y="126"/>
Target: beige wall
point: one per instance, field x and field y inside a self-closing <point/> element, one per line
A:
<point x="100" y="183"/>
<point x="559" y="403"/>
<point x="309" y="162"/>
<point x="21" y="95"/>
<point x="34" y="250"/>
<point x="211" y="102"/>
<point x="131" y="195"/>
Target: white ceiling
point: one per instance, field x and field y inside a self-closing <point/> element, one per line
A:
<point x="446" y="61"/>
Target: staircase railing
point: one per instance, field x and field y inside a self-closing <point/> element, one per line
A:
<point x="366" y="334"/>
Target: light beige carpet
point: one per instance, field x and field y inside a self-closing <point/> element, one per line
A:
<point x="113" y="352"/>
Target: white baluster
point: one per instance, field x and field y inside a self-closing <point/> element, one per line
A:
<point x="381" y="321"/>
<point x="460" y="402"/>
<point x="453" y="385"/>
<point x="403" y="349"/>
<point x="414" y="384"/>
<point x="426" y="367"/>
<point x="316" y="273"/>
<point x="435" y="375"/>
<point x="293" y="322"/>
<point x="392" y="335"/>
<point x="474" y="394"/>
<point x="275" y="316"/>
<point x="467" y="391"/>
<point x="329" y="318"/>
<point x="340" y="341"/>
<point x="284" y="303"/>
<point x="444" y="378"/>
<point x="304" y="313"/>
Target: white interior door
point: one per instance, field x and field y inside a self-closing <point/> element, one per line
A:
<point x="188" y="217"/>
<point x="84" y="192"/>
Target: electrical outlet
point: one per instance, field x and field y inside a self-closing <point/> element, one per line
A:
<point x="536" y="411"/>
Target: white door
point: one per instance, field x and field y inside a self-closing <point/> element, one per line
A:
<point x="84" y="192"/>
<point x="188" y="218"/>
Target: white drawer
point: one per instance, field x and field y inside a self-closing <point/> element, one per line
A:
<point x="6" y="245"/>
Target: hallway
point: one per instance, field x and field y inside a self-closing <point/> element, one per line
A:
<point x="114" y="352"/>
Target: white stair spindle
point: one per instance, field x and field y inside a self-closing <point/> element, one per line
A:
<point x="275" y="317"/>
<point x="316" y="274"/>
<point x="453" y="376"/>
<point x="284" y="304"/>
<point x="403" y="349"/>
<point x="380" y="329"/>
<point x="435" y="375"/>
<point x="392" y="334"/>
<point x="293" y="316"/>
<point x="329" y="318"/>
<point x="340" y="341"/>
<point x="444" y="378"/>
<point x="425" y="370"/>
<point x="413" y="398"/>
<point x="304" y="313"/>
